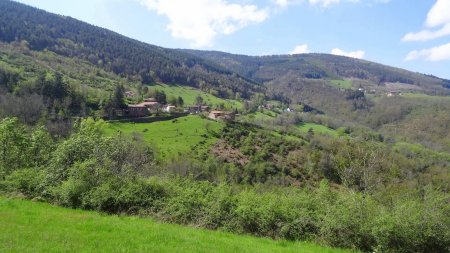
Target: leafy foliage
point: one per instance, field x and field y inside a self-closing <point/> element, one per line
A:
<point x="117" y="175"/>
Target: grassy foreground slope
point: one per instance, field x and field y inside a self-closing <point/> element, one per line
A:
<point x="28" y="226"/>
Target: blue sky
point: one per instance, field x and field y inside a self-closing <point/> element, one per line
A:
<point x="411" y="34"/>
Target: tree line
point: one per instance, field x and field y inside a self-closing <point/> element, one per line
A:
<point x="113" y="52"/>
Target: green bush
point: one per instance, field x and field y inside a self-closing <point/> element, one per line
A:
<point x="347" y="222"/>
<point x="25" y="181"/>
<point x="304" y="228"/>
<point x="188" y="201"/>
<point x="263" y="214"/>
<point x="219" y="209"/>
<point x="91" y="171"/>
<point x="81" y="178"/>
<point x="414" y="225"/>
<point x="125" y="196"/>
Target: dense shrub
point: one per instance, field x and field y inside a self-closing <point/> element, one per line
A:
<point x="110" y="174"/>
<point x="346" y="223"/>
<point x="188" y="201"/>
<point x="24" y="181"/>
<point x="123" y="196"/>
<point x="419" y="223"/>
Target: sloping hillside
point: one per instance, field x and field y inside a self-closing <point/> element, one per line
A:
<point x="324" y="66"/>
<point x="353" y="91"/>
<point x="40" y="227"/>
<point x="40" y="30"/>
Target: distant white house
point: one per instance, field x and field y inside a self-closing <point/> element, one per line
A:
<point x="289" y="110"/>
<point x="169" y="108"/>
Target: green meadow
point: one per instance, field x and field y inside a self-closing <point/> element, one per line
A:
<point x="173" y="137"/>
<point x="189" y="94"/>
<point x="27" y="226"/>
<point x="264" y="115"/>
<point x="343" y="84"/>
<point x="321" y="129"/>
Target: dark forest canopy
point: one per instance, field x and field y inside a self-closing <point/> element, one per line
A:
<point x="318" y="66"/>
<point x="224" y="74"/>
<point x="124" y="56"/>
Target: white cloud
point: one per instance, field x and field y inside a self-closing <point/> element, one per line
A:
<point x="437" y="23"/>
<point x="328" y="3"/>
<point x="300" y="49"/>
<point x="359" y="54"/>
<point x="438" y="53"/>
<point x="426" y="34"/>
<point x="439" y="14"/>
<point x="284" y="3"/>
<point x="323" y="3"/>
<point x="201" y="21"/>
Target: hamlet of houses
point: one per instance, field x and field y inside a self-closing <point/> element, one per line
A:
<point x="150" y="105"/>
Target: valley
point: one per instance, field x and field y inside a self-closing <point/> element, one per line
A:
<point x="135" y="147"/>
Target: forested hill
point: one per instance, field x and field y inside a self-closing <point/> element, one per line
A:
<point x="219" y="73"/>
<point x="351" y="90"/>
<point x="40" y="30"/>
<point x="322" y="66"/>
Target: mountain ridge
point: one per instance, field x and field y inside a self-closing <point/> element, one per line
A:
<point x="111" y="51"/>
<point x="321" y="66"/>
<point x="224" y="72"/>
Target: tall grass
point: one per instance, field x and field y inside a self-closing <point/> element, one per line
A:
<point x="27" y="226"/>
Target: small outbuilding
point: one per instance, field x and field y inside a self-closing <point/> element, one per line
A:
<point x="221" y="115"/>
<point x="137" y="111"/>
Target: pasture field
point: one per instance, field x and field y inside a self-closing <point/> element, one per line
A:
<point x="189" y="94"/>
<point x="173" y="137"/>
<point x="265" y="115"/>
<point x="321" y="129"/>
<point x="343" y="84"/>
<point x="27" y="226"/>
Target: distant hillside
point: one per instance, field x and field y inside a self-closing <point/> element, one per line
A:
<point x="40" y="30"/>
<point x="42" y="52"/>
<point x="323" y="66"/>
<point x="352" y="91"/>
<point x="223" y="74"/>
